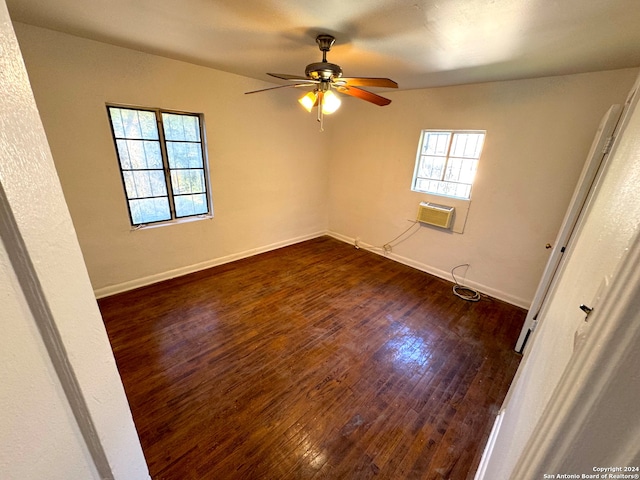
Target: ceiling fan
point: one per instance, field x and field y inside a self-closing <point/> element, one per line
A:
<point x="326" y="77"/>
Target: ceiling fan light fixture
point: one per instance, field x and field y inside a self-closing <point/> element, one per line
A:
<point x="330" y="102"/>
<point x="323" y="77"/>
<point x="308" y="101"/>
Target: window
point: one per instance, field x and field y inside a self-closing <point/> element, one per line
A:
<point x="163" y="163"/>
<point x="447" y="161"/>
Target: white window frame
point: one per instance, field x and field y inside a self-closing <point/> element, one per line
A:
<point x="419" y="180"/>
<point x="162" y="141"/>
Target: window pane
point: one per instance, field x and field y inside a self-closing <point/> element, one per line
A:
<point x="435" y="143"/>
<point x="145" y="183"/>
<point x="468" y="170"/>
<point x="421" y="185"/>
<point x="187" y="205"/>
<point x="431" y="167"/>
<point x="187" y="181"/>
<point x="426" y="167"/>
<point x="129" y="123"/>
<point x="181" y="127"/>
<point x="453" y="170"/>
<point x="442" y="188"/>
<point x="148" y="125"/>
<point x="433" y="186"/>
<point x="466" y="145"/>
<point x="152" y="154"/>
<point x="123" y="154"/>
<point x="184" y="155"/>
<point x="116" y="122"/>
<point x="451" y="188"/>
<point x="463" y="190"/>
<point x="149" y="210"/>
<point x="139" y="154"/>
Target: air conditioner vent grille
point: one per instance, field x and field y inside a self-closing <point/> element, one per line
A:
<point x="436" y="215"/>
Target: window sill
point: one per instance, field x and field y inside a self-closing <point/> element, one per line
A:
<point x="171" y="222"/>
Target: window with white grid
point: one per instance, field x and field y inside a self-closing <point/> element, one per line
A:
<point x="163" y="164"/>
<point x="447" y="162"/>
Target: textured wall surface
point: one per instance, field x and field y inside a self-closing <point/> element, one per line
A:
<point x="65" y="414"/>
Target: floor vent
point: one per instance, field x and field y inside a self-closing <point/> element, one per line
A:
<point x="436" y="215"/>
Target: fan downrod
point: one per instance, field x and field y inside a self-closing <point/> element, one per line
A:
<point x="324" y="71"/>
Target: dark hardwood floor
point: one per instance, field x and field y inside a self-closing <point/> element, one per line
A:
<point x="313" y="361"/>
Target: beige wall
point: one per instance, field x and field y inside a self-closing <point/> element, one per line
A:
<point x="276" y="179"/>
<point x="538" y="135"/>
<point x="268" y="174"/>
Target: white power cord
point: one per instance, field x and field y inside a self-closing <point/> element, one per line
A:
<point x="387" y="248"/>
<point x="465" y="293"/>
<point x="459" y="290"/>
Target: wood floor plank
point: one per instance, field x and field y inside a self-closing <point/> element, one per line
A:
<point x="313" y="361"/>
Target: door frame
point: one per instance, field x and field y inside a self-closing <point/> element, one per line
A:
<point x="584" y="392"/>
<point x="589" y="177"/>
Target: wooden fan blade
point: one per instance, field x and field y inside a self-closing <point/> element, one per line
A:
<point x="364" y="95"/>
<point x="367" y="82"/>
<point x="295" y="78"/>
<point x="281" y="86"/>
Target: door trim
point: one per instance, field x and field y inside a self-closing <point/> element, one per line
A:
<point x="588" y="178"/>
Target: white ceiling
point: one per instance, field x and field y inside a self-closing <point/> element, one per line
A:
<point x="418" y="43"/>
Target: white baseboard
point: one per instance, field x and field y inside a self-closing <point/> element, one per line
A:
<point x="178" y="272"/>
<point x="488" y="449"/>
<point x="159" y="277"/>
<point x="492" y="292"/>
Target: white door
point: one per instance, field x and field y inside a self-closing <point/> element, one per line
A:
<point x="603" y="233"/>
<point x="588" y="178"/>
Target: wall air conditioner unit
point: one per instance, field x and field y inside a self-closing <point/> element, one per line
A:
<point x="436" y="215"/>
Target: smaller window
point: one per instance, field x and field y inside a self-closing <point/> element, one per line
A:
<point x="447" y="161"/>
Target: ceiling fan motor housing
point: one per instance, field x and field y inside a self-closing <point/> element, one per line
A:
<point x="323" y="71"/>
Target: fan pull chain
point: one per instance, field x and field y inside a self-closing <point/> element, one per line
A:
<point x="321" y="115"/>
